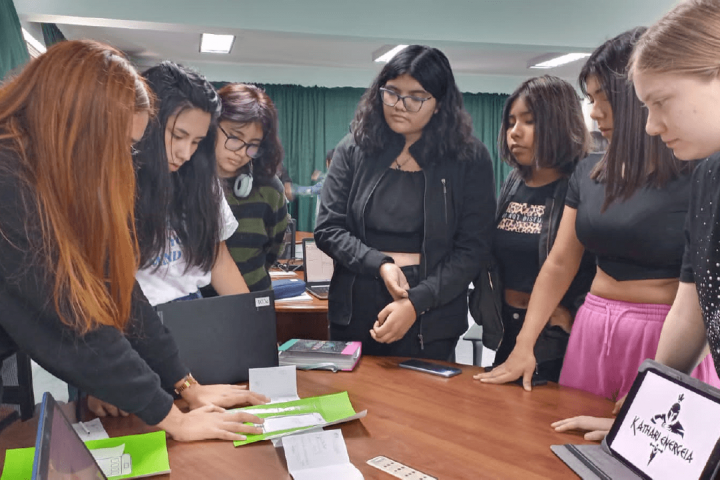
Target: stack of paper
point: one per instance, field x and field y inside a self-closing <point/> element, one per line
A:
<point x="319" y="456"/>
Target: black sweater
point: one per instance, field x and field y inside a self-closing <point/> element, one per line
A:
<point x="130" y="370"/>
<point x="459" y="204"/>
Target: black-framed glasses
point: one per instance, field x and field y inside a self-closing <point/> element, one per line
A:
<point x="234" y="144"/>
<point x="411" y="102"/>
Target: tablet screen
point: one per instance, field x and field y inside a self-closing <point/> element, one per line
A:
<point x="669" y="430"/>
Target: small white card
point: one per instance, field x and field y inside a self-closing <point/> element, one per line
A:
<point x="286" y="422"/>
<point x="319" y="456"/>
<point x="279" y="384"/>
<point x="92" y="430"/>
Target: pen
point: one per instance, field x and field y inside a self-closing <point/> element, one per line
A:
<point x="82" y="425"/>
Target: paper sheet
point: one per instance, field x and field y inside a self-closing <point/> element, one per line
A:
<point x="319" y="456"/>
<point x="285" y="422"/>
<point x="95" y="430"/>
<point x="275" y="275"/>
<point x="277" y="383"/>
<point x="111" y="452"/>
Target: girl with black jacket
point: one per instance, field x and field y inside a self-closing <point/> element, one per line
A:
<point x="543" y="136"/>
<point x="407" y="212"/>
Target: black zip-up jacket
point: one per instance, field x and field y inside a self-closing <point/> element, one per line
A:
<point x="459" y="208"/>
<point x="131" y="369"/>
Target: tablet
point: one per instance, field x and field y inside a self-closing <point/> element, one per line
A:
<point x="668" y="427"/>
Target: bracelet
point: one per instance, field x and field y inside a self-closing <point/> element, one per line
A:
<point x="187" y="381"/>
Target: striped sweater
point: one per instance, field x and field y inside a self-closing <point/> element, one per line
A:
<point x="262" y="220"/>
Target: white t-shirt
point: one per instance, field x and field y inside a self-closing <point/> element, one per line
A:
<point x="170" y="281"/>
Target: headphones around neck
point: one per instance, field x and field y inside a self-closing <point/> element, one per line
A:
<point x="243" y="184"/>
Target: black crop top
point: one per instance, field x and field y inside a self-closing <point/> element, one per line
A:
<point x="638" y="239"/>
<point x="517" y="236"/>
<point x="395" y="213"/>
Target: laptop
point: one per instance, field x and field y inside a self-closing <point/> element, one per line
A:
<point x="318" y="269"/>
<point x="287" y="251"/>
<point x="60" y="454"/>
<point x="668" y="428"/>
<point x="221" y="338"/>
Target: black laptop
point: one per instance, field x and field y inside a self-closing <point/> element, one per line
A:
<point x="59" y="453"/>
<point x="318" y="267"/>
<point x="668" y="428"/>
<point x="221" y="338"/>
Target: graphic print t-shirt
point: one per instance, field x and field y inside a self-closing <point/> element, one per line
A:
<point x="517" y="236"/>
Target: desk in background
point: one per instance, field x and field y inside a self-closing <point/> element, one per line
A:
<point x="302" y="319"/>
<point x="450" y="428"/>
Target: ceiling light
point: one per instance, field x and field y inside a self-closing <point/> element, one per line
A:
<point x="33" y="41"/>
<point x="561" y="60"/>
<point x="385" y="57"/>
<point x="212" y="43"/>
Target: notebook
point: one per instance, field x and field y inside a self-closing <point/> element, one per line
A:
<point x="318" y="269"/>
<point x="59" y="452"/>
<point x="221" y="338"/>
<point x="668" y="428"/>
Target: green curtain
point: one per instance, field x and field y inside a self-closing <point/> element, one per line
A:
<point x="312" y="120"/>
<point x="13" y="51"/>
<point x="486" y="112"/>
<point x="51" y="34"/>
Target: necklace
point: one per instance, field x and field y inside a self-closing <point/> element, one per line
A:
<point x="398" y="165"/>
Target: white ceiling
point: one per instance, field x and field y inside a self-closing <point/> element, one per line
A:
<point x="330" y="42"/>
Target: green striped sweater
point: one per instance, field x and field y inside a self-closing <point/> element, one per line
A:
<point x="262" y="220"/>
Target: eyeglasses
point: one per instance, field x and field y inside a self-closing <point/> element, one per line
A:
<point x="234" y="144"/>
<point x="412" y="103"/>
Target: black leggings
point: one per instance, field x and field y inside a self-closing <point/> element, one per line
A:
<point x="369" y="296"/>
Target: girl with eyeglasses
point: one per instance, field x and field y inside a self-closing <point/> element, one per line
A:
<point x="182" y="217"/>
<point x="248" y="152"/>
<point x="407" y="212"/>
<point x="68" y="293"/>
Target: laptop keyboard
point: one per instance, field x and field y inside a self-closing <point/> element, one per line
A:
<point x="321" y="288"/>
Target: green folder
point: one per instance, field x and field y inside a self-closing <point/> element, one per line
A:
<point x="148" y="451"/>
<point x="333" y="408"/>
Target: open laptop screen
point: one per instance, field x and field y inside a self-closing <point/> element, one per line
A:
<point x="59" y="453"/>
<point x="669" y="429"/>
<point x="318" y="265"/>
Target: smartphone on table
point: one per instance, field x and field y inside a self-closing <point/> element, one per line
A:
<point x="429" y="367"/>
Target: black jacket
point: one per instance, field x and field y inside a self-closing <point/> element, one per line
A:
<point x="486" y="299"/>
<point x="459" y="210"/>
<point x="131" y="370"/>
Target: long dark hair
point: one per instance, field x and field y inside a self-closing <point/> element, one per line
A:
<point x="448" y="134"/>
<point x="186" y="201"/>
<point x="561" y="137"/>
<point x="245" y="104"/>
<point x="634" y="159"/>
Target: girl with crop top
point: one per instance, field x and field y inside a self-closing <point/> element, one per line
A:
<point x="627" y="208"/>
<point x="406" y="213"/>
<point x="182" y="216"/>
<point x="543" y="136"/>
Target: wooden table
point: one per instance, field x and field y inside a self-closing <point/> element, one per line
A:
<point x="302" y="319"/>
<point x="449" y="428"/>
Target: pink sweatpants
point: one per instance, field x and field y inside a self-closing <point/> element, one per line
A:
<point x="609" y="341"/>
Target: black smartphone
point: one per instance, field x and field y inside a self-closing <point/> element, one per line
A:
<point x="429" y="367"/>
<point x="535" y="382"/>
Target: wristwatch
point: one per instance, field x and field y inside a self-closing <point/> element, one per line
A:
<point x="186" y="382"/>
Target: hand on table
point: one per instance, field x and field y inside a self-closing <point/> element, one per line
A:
<point x="597" y="428"/>
<point x="395" y="280"/>
<point x="394" y="321"/>
<point x="226" y="396"/>
<point x="520" y="363"/>
<point x="104" y="409"/>
<point x="209" y="422"/>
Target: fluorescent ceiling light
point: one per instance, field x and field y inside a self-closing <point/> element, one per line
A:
<point x="33" y="41"/>
<point x="212" y="43"/>
<point x="561" y="60"/>
<point x="385" y="57"/>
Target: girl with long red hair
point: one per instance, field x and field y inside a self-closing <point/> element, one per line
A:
<point x="68" y="251"/>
